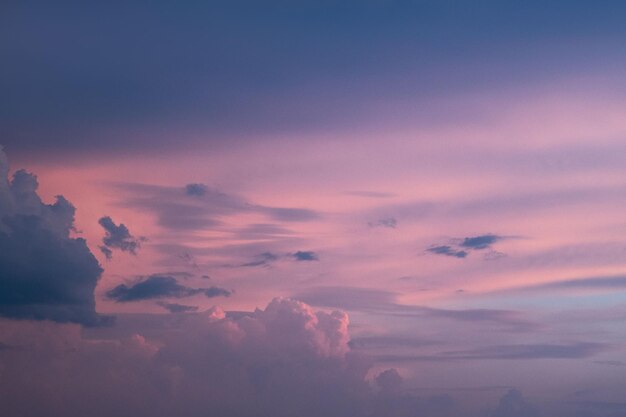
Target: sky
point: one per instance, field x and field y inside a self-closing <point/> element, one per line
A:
<point x="374" y="208"/>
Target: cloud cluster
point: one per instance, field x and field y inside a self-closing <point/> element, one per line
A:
<point x="45" y="273"/>
<point x="284" y="360"/>
<point x="117" y="237"/>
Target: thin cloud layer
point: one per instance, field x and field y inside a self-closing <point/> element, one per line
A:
<point x="199" y="207"/>
<point x="385" y="303"/>
<point x="44" y="273"/>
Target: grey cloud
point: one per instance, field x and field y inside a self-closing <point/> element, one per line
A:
<point x="108" y="253"/>
<point x="177" y="308"/>
<point x="480" y="242"/>
<point x="448" y="251"/>
<point x="157" y="286"/>
<point x="600" y="408"/>
<point x="288" y="214"/>
<point x="599" y="283"/>
<point x="385" y="342"/>
<point x="305" y="256"/>
<point x="384" y="302"/>
<point x="370" y="194"/>
<point x="199" y="207"/>
<point x="216" y="292"/>
<point x="388" y="222"/>
<point x="118" y="237"/>
<point x="459" y="249"/>
<point x="262" y="231"/>
<point x="262" y="259"/>
<point x="611" y="363"/>
<point x="196" y="189"/>
<point x="507" y="352"/>
<point x="513" y="404"/>
<point x="267" y="258"/>
<point x="44" y="273"/>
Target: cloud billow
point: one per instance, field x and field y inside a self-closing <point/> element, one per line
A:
<point x="44" y="273"/>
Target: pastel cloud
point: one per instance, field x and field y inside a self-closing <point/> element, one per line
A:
<point x="285" y="359"/>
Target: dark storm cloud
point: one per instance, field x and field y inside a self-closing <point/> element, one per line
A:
<point x="44" y="273"/>
<point x="203" y="208"/>
<point x="219" y="64"/>
<point x="384" y="302"/>
<point x="157" y="286"/>
<point x="305" y="256"/>
<point x="448" y="251"/>
<point x="117" y="237"/>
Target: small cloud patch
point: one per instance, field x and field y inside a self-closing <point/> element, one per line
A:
<point x="305" y="256"/>
<point x="117" y="237"/>
<point x="447" y="250"/>
<point x="461" y="248"/>
<point x="157" y="286"/>
<point x="388" y="222"/>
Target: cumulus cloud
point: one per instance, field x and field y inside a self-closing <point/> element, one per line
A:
<point x="117" y="237"/>
<point x="44" y="273"/>
<point x="284" y="360"/>
<point x="160" y="286"/>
